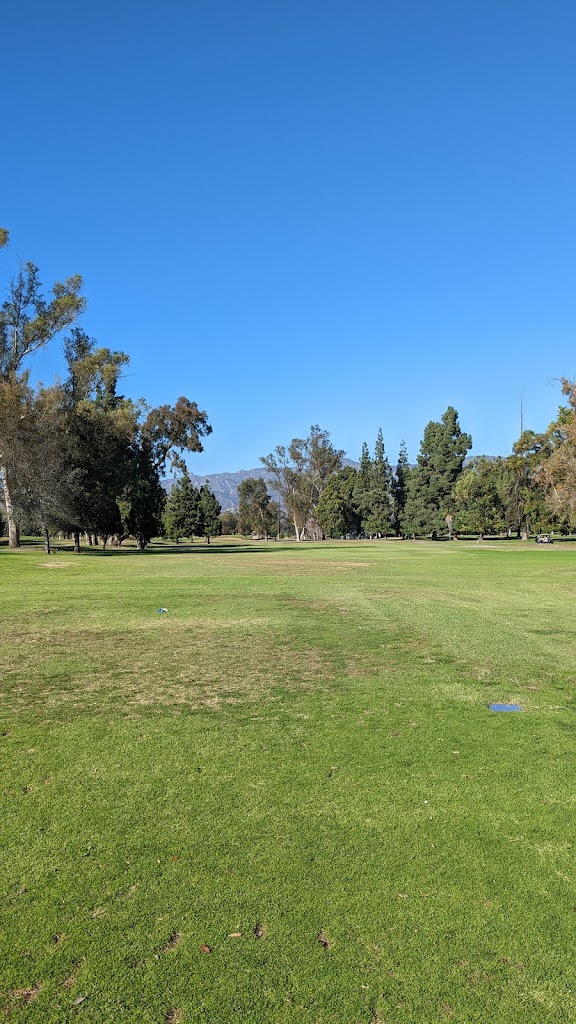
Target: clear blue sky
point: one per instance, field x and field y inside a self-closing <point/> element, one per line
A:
<point x="314" y="211"/>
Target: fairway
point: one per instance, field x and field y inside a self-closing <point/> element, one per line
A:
<point x="286" y="799"/>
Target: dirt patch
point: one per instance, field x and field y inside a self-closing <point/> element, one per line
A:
<point x="25" y="995"/>
<point x="173" y="941"/>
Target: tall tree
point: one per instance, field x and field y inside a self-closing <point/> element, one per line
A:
<point x="523" y="491"/>
<point x="100" y="429"/>
<point x="182" y="515"/>
<point x="143" y="498"/>
<point x="337" y="508"/>
<point x="399" y="489"/>
<point x="27" y="323"/>
<point x="557" y="469"/>
<point x="255" y="511"/>
<point x="209" y="510"/>
<point x="479" y="504"/>
<point x="170" y="430"/>
<point x="377" y="517"/>
<point x="442" y="452"/>
<point x="301" y="472"/>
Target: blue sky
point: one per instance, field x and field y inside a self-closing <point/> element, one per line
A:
<point x="351" y="214"/>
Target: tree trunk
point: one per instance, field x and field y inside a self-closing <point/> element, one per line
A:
<point x="46" y="540"/>
<point x="207" y="540"/>
<point x="76" y="536"/>
<point x="13" y="531"/>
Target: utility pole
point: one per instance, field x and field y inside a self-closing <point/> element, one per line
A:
<point x="521" y="415"/>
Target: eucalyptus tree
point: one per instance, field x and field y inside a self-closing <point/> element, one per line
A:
<point x="337" y="509"/>
<point x="300" y="472"/>
<point x="28" y="321"/>
<point x="256" y="511"/>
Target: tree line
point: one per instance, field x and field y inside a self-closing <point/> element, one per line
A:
<point x="533" y="490"/>
<point x="80" y="458"/>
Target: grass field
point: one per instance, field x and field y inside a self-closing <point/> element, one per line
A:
<point x="300" y="748"/>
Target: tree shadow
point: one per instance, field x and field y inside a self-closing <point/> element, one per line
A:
<point x="158" y="548"/>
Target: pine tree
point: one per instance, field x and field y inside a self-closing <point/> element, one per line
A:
<point x="399" y="489"/>
<point x="442" y="452"/>
<point x="182" y="513"/>
<point x="372" y="491"/>
<point x="143" y="499"/>
<point x="209" y="510"/>
<point x="362" y="484"/>
<point x="377" y="522"/>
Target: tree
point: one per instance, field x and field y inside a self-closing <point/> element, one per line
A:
<point x="228" y="523"/>
<point x="523" y="491"/>
<point x="27" y="323"/>
<point x="255" y="512"/>
<point x="171" y="429"/>
<point x="399" y="489"/>
<point x="337" y="508"/>
<point x="209" y="510"/>
<point x="301" y="472"/>
<point x="30" y="456"/>
<point x="182" y="514"/>
<point x="557" y="470"/>
<point x="442" y="452"/>
<point x="377" y="511"/>
<point x="100" y="429"/>
<point x="143" y="498"/>
<point x="479" y="505"/>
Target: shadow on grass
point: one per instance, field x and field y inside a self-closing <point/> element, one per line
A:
<point x="62" y="548"/>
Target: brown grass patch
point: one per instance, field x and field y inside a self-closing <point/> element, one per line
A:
<point x="172" y="942"/>
<point x="209" y="665"/>
<point x="26" y="995"/>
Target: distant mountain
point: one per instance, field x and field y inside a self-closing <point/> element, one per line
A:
<point x="225" y="485"/>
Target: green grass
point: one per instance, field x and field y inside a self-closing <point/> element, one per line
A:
<point x="304" y="741"/>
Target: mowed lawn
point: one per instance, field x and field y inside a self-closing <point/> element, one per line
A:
<point x="286" y="799"/>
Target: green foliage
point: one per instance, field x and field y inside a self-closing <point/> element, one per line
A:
<point x="430" y="483"/>
<point x="523" y="491"/>
<point x="177" y="428"/>
<point x="228" y="523"/>
<point x="28" y="322"/>
<point x="256" y="514"/>
<point x="479" y="504"/>
<point x="399" y="489"/>
<point x="337" y="509"/>
<point x="143" y="498"/>
<point x="301" y="472"/>
<point x="209" y="510"/>
<point x="182" y="515"/>
<point x="373" y="490"/>
<point x="556" y="472"/>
